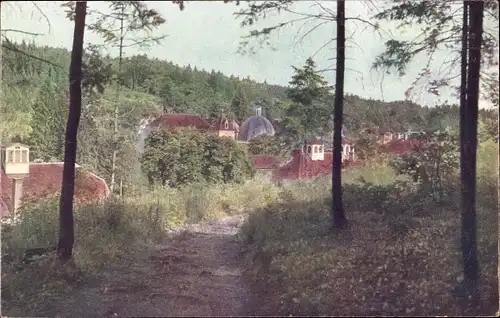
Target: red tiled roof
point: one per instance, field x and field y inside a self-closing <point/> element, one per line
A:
<point x="399" y="147"/>
<point x="170" y="121"/>
<point x="265" y="162"/>
<point x="45" y="179"/>
<point x="301" y="166"/>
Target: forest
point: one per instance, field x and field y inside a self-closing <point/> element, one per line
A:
<point x="36" y="90"/>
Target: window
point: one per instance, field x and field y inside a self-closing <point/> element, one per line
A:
<point x="24" y="156"/>
<point x="309" y="149"/>
<point x="17" y="156"/>
<point x="315" y="149"/>
<point x="10" y="156"/>
<point x="226" y="125"/>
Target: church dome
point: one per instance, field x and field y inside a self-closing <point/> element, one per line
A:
<point x="255" y="126"/>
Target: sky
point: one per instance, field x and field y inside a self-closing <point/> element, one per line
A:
<point x="207" y="35"/>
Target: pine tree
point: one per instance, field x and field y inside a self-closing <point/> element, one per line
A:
<point x="307" y="113"/>
<point x="240" y="104"/>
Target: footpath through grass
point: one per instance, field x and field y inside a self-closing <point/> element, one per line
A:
<point x="108" y="233"/>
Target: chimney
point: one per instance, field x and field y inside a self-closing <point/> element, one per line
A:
<point x="258" y="111"/>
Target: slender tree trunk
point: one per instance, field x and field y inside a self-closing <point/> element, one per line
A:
<point x="66" y="227"/>
<point x="116" y="112"/>
<point x="339" y="219"/>
<point x="468" y="150"/>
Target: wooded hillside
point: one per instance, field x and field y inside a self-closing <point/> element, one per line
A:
<point x="36" y="100"/>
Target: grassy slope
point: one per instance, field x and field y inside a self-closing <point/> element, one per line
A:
<point x="400" y="255"/>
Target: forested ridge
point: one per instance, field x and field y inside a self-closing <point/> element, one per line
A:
<point x="36" y="97"/>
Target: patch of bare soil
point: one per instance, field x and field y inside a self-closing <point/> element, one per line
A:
<point x="196" y="272"/>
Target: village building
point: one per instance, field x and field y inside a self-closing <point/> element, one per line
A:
<point x="255" y="126"/>
<point x="386" y="135"/>
<point x="22" y="180"/>
<point x="221" y="126"/>
<point x="266" y="164"/>
<point x="399" y="147"/>
<point x="313" y="159"/>
<point x="252" y="127"/>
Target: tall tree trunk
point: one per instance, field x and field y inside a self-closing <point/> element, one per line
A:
<point x="468" y="150"/>
<point x="463" y="73"/>
<point x="117" y="102"/>
<point x="339" y="219"/>
<point x="66" y="227"/>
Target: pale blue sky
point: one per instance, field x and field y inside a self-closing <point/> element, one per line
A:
<point x="206" y="35"/>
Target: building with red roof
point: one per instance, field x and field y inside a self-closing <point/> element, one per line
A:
<point x="171" y="121"/>
<point x="399" y="147"/>
<point x="313" y="160"/>
<point x="44" y="180"/>
<point x="265" y="162"/>
<point x="222" y="125"/>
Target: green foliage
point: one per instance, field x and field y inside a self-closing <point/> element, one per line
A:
<point x="439" y="25"/>
<point x="150" y="85"/>
<point x="116" y="231"/>
<point x="264" y="145"/>
<point x="97" y="73"/>
<point x="399" y="240"/>
<point x="51" y="103"/>
<point x="431" y="163"/>
<point x="488" y="125"/>
<point x="240" y="105"/>
<point x="366" y="146"/>
<point x="185" y="156"/>
<point x="308" y="113"/>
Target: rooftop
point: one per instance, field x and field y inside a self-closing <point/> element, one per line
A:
<point x="45" y="179"/>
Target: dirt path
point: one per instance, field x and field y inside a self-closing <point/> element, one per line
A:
<point x="197" y="272"/>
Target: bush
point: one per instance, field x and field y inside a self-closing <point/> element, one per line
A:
<point x="110" y="231"/>
<point x="434" y="160"/>
<point x="184" y="156"/>
<point x="400" y="254"/>
<point x="264" y="145"/>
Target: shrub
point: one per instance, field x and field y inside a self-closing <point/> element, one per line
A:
<point x="185" y="156"/>
<point x="400" y="254"/>
<point x="108" y="231"/>
<point x="431" y="162"/>
<point x="264" y="145"/>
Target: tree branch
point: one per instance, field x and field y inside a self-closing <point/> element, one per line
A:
<point x="21" y="31"/>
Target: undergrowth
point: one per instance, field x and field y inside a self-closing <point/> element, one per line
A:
<point x="400" y="254"/>
<point x="106" y="233"/>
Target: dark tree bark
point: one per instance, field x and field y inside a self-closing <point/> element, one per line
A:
<point x="468" y="149"/>
<point x="339" y="219"/>
<point x="463" y="70"/>
<point x="66" y="227"/>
